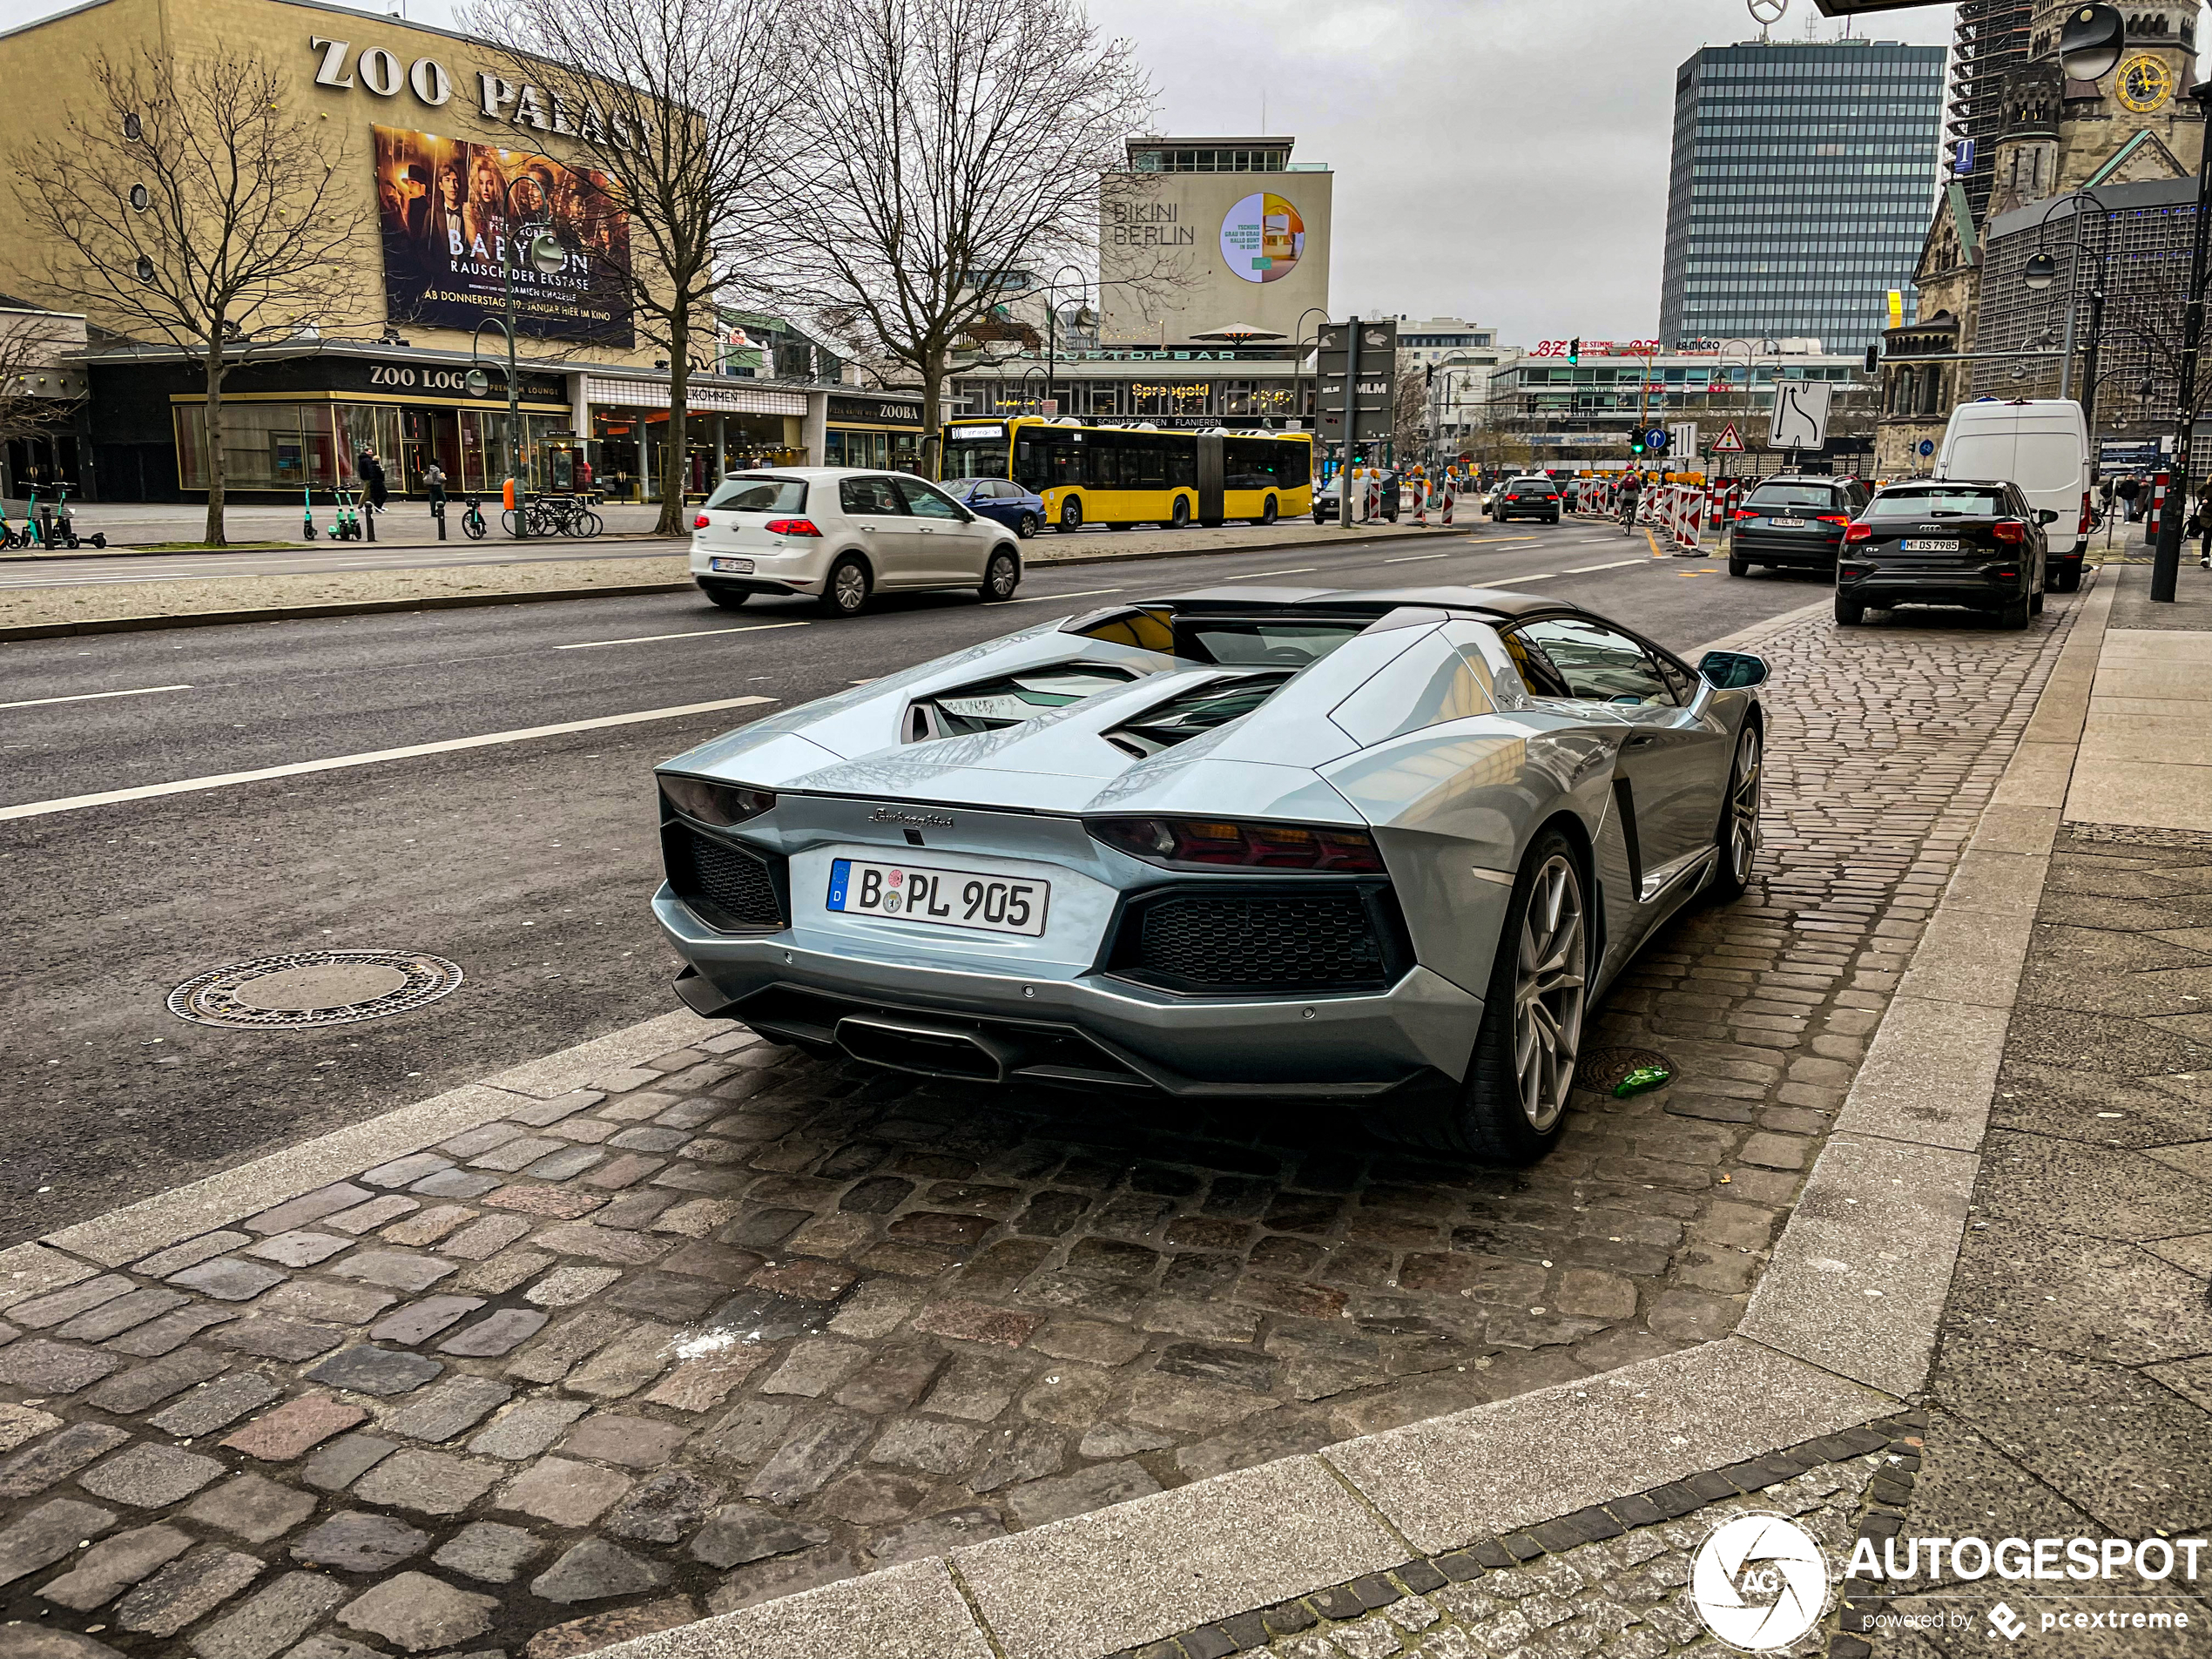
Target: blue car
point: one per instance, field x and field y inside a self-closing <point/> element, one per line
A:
<point x="1019" y="509"/>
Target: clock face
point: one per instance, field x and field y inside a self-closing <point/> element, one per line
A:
<point x="2143" y="84"/>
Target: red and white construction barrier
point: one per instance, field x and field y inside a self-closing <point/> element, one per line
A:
<point x="2158" y="483"/>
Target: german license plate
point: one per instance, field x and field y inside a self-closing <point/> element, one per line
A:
<point x="1787" y="523"/>
<point x="731" y="567"/>
<point x="991" y="904"/>
<point x="1948" y="544"/>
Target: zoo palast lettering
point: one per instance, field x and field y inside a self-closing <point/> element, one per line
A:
<point x="500" y="99"/>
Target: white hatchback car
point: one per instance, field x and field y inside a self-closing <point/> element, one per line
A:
<point x="842" y="534"/>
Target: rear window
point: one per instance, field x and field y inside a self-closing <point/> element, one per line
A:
<point x="1968" y="501"/>
<point x="1260" y="643"/>
<point x="1536" y="487"/>
<point x="752" y="493"/>
<point x="1791" y="496"/>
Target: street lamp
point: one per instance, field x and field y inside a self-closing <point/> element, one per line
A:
<point x="1052" y="330"/>
<point x="2166" y="562"/>
<point x="547" y="257"/>
<point x="1298" y="362"/>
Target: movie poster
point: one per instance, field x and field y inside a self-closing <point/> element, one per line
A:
<point x="447" y="205"/>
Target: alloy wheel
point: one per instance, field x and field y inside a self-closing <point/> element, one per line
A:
<point x="1548" y="993"/>
<point x="1744" y="807"/>
<point x="851" y="587"/>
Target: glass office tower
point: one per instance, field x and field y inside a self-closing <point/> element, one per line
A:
<point x="1804" y="177"/>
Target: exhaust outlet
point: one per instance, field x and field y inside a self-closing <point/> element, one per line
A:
<point x="927" y="1051"/>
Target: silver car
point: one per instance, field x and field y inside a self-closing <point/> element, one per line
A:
<point x="1379" y="847"/>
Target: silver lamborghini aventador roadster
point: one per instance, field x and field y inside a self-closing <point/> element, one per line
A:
<point x="1379" y="847"/>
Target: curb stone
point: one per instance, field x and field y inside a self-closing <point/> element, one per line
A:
<point x="627" y="591"/>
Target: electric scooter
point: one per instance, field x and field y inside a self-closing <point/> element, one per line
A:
<point x="348" y="526"/>
<point x="307" y="514"/>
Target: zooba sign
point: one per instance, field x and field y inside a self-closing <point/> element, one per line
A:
<point x="509" y="103"/>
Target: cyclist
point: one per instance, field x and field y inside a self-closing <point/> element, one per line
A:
<point x="1631" y="488"/>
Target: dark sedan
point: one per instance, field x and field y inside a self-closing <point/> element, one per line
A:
<point x="1021" y="511"/>
<point x="1794" y="523"/>
<point x="1533" y="497"/>
<point x="1979" y="545"/>
<point x="1327" y="503"/>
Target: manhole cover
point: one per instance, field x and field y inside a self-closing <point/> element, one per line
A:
<point x="1604" y="1071"/>
<point x="315" y="988"/>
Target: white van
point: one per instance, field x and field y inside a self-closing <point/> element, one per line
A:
<point x="2042" y="445"/>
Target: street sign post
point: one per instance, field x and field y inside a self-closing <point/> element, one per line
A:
<point x="1800" y="415"/>
<point x="1356" y="363"/>
<point x="1682" y="437"/>
<point x="1730" y="442"/>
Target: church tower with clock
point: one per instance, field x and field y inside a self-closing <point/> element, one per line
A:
<point x="2138" y="122"/>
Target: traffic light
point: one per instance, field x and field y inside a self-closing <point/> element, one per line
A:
<point x="1873" y="360"/>
<point x="1574" y="352"/>
<point x="1635" y="441"/>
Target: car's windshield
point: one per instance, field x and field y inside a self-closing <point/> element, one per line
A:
<point x="1791" y="496"/>
<point x="1534" y="487"/>
<point x="754" y="492"/>
<point x="1954" y="501"/>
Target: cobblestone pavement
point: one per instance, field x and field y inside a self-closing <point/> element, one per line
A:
<point x="2072" y="1394"/>
<point x="738" y="1322"/>
<point x="1609" y="1580"/>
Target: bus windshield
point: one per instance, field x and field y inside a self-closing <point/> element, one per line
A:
<point x="976" y="451"/>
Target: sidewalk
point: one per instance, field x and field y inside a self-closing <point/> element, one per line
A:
<point x="683" y="1325"/>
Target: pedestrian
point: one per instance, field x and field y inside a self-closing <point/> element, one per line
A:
<point x="433" y="482"/>
<point x="372" y="482"/>
<point x="2201" y="527"/>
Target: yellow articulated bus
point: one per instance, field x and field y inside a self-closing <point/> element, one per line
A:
<point x="1136" y="475"/>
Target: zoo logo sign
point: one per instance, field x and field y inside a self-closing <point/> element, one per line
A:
<point x="1759" y="1582"/>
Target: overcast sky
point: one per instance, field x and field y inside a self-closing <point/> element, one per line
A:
<point x="1503" y="160"/>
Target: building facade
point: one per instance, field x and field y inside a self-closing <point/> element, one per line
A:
<point x="2099" y="177"/>
<point x="1546" y="411"/>
<point x="1989" y="40"/>
<point x="446" y="149"/>
<point x="1801" y="181"/>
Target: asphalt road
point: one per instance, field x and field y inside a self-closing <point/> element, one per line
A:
<point x="528" y="861"/>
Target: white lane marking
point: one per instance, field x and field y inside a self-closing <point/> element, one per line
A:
<point x="1546" y="576"/>
<point x="1617" y="564"/>
<point x="88" y="697"/>
<point x="1249" y="575"/>
<point x="699" y="633"/>
<point x="1417" y="558"/>
<point x="224" y="781"/>
<point x="1047" y="598"/>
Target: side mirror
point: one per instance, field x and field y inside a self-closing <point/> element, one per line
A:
<point x="1732" y="671"/>
<point x="2047" y="516"/>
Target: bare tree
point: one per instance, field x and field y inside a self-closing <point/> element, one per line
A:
<point x="682" y="105"/>
<point x="963" y="141"/>
<point x="194" y="202"/>
<point x="1409" y="418"/>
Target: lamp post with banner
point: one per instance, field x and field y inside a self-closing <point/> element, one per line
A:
<point x="547" y="257"/>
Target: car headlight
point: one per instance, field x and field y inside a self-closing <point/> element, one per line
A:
<point x="720" y="804"/>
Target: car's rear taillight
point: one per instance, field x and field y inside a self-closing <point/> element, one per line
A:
<point x="701" y="522"/>
<point x="1833" y="518"/>
<point x="2010" y="531"/>
<point x="720" y="804"/>
<point x="1221" y="844"/>
<point x="1741" y="513"/>
<point x="2082" y="528"/>
<point x="790" y="527"/>
<point x="1859" y="532"/>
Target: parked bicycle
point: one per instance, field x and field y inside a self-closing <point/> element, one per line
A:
<point x="472" y="519"/>
<point x="558" y="516"/>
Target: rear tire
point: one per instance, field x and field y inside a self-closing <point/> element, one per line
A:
<point x="728" y="599"/>
<point x="2067" y="579"/>
<point x="1001" y="576"/>
<point x="845" y="593"/>
<point x="1738" y="834"/>
<point x="2035" y="605"/>
<point x="1738" y="567"/>
<point x="1512" y="1105"/>
<point x="2013" y="616"/>
<point x="1028" y="527"/>
<point x="1179" y="516"/>
<point x="1267" y="511"/>
<point x="1849" y="613"/>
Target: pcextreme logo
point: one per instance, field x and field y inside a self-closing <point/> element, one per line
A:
<point x="1759" y="1582"/>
